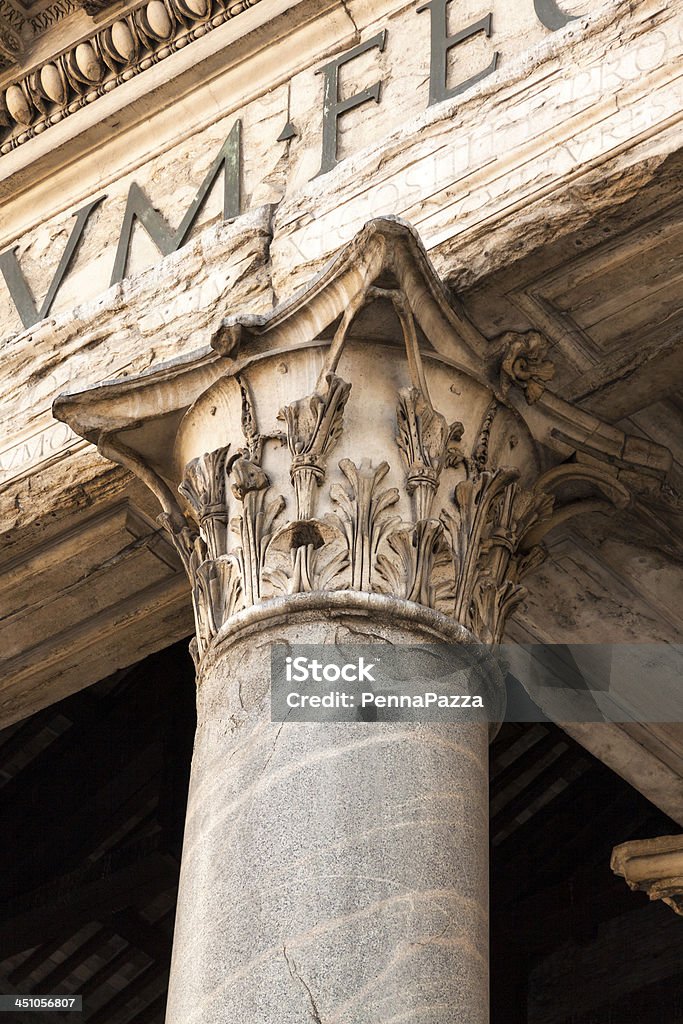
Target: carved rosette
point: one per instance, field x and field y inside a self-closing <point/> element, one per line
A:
<point x="525" y="364"/>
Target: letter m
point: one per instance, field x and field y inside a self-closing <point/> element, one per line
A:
<point x="138" y="206"/>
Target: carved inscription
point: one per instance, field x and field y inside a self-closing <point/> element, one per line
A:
<point x="26" y="455"/>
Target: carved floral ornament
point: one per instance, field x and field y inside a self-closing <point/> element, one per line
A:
<point x="11" y="46"/>
<point x="356" y="439"/>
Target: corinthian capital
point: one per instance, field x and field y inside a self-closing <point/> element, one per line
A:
<point x="353" y="440"/>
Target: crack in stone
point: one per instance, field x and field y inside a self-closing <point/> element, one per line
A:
<point x="270" y="237"/>
<point x="432" y="938"/>
<point x="351" y="18"/>
<point x="294" y="973"/>
<point x="367" y="635"/>
<point x="272" y="751"/>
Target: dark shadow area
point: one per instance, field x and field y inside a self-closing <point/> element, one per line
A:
<point x="92" y="799"/>
<point x="570" y="943"/>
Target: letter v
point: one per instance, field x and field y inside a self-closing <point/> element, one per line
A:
<point x="16" y="282"/>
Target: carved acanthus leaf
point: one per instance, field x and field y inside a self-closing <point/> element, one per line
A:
<point x="492" y="516"/>
<point x="254" y="441"/>
<point x="314" y="425"/>
<point x="255" y="526"/>
<point x="492" y="603"/>
<point x="412" y="565"/>
<point x="427" y="443"/>
<point x="247" y="478"/>
<point x="364" y="517"/>
<point x="204" y="486"/>
<point x="217" y="595"/>
<point x="307" y="555"/>
<point x="355" y="532"/>
<point x="215" y="581"/>
<point x="186" y="540"/>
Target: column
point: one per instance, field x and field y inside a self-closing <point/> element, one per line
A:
<point x="330" y="871"/>
<point x="347" y="469"/>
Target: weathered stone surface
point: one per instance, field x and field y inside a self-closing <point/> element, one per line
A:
<point x="483" y="177"/>
<point x="274" y="474"/>
<point x="330" y="872"/>
<point x="571" y="593"/>
<point x="162" y="132"/>
<point x="572" y="126"/>
<point x="161" y="313"/>
<point x="68" y="631"/>
<point x="319" y="497"/>
<point x="318" y="501"/>
<point x="171" y="183"/>
<point x="107" y="574"/>
<point x="573" y="133"/>
<point x="593" y="103"/>
<point x="425" y="483"/>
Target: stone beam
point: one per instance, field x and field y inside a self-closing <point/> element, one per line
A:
<point x="653" y="866"/>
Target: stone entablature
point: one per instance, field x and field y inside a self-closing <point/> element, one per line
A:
<point x="133" y="38"/>
<point x="474" y="157"/>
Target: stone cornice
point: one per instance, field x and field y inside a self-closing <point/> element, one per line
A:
<point x="653" y="866"/>
<point x="96" y="65"/>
